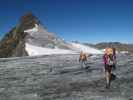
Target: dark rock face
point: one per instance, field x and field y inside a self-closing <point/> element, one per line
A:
<point x="10" y="43"/>
<point x="20" y="51"/>
<point x="13" y="44"/>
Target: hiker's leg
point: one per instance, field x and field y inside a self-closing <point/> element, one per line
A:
<point x="114" y="66"/>
<point x="110" y="74"/>
<point x="107" y="75"/>
<point x="85" y="63"/>
<point x="105" y="67"/>
<point x="109" y="79"/>
<point x="108" y="70"/>
<point x="81" y="63"/>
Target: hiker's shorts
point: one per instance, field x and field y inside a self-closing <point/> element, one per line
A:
<point x="108" y="68"/>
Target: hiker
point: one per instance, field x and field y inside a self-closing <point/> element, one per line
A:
<point x="108" y="65"/>
<point x="83" y="59"/>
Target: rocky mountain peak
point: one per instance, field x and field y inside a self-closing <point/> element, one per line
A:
<point x="29" y="30"/>
<point x="28" y="21"/>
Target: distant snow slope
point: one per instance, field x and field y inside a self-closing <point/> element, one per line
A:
<point x="36" y="50"/>
<point x="33" y="50"/>
<point x="37" y="45"/>
<point x="84" y="48"/>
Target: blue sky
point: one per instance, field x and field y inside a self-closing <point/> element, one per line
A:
<point x="90" y="21"/>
